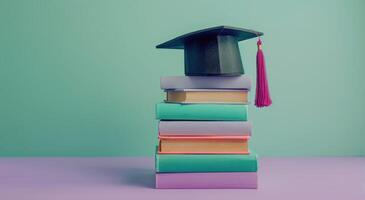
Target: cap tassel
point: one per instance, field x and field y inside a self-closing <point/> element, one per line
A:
<point x="262" y="87"/>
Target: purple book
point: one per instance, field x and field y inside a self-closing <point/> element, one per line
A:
<point x="204" y="128"/>
<point x="205" y="82"/>
<point x="225" y="180"/>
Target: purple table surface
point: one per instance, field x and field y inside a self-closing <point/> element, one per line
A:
<point x="133" y="178"/>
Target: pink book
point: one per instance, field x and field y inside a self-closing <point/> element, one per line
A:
<point x="216" y="180"/>
<point x="242" y="128"/>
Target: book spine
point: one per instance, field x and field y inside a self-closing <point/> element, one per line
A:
<point x="235" y="180"/>
<point x="169" y="163"/>
<point x="205" y="128"/>
<point x="204" y="82"/>
<point x="214" y="112"/>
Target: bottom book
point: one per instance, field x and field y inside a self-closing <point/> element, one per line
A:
<point x="224" y="180"/>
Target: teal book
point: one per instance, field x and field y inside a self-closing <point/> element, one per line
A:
<point x="174" y="163"/>
<point x="202" y="112"/>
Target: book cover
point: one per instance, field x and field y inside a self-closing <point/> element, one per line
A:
<point x="203" y="145"/>
<point x="170" y="163"/>
<point x="206" y="82"/>
<point x="205" y="128"/>
<point x="225" y="180"/>
<point x="207" y="96"/>
<point x="214" y="112"/>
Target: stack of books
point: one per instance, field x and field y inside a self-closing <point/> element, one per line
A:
<point x="204" y="133"/>
<point x="203" y="128"/>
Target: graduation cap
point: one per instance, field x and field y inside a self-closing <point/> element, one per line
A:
<point x="215" y="52"/>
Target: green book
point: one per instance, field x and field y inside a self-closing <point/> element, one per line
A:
<point x="221" y="112"/>
<point x="205" y="163"/>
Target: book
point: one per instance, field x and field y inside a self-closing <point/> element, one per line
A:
<point x="242" y="82"/>
<point x="223" y="180"/>
<point x="170" y="163"/>
<point x="207" y="96"/>
<point x="204" y="128"/>
<point x="203" y="144"/>
<point x="213" y="112"/>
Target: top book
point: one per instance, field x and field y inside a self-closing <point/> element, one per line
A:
<point x="205" y="82"/>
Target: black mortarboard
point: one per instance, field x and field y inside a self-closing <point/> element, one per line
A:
<point x="212" y="51"/>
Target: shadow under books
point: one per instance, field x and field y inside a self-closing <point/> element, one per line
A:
<point x="139" y="177"/>
<point x="127" y="176"/>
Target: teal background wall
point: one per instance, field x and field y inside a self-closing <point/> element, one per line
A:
<point x="80" y="78"/>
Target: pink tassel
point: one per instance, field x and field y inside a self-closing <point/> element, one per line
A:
<point x="262" y="88"/>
